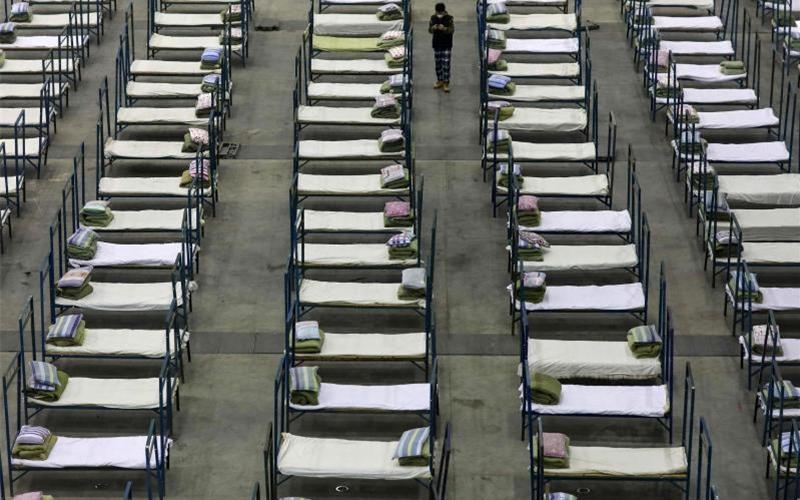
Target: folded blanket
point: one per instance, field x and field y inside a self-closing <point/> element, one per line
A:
<point x="724" y="244"/>
<point x="389" y="12"/>
<point x="405" y="221"/>
<point x="234" y="37"/>
<point x="82" y="244"/>
<point x="528" y="213"/>
<point x="393" y="38"/>
<point x="391" y="141"/>
<point x="7" y="33"/>
<point x="35" y="452"/>
<point x="504" y="108"/>
<point x="545" y="390"/>
<point x="308" y="337"/>
<point x="394" y="209"/>
<point x="403" y="246"/>
<point x="732" y="67"/>
<point x="499" y="140"/>
<point x="535" y="286"/>
<point x="74" y="284"/>
<point x="32" y="495"/>
<point x="385" y="107"/>
<point x="393" y="84"/>
<point x="793" y="43"/>
<point x="67" y="330"/>
<point x="232" y="14"/>
<point x="194" y="140"/>
<point x="753" y="294"/>
<point x="2" y="58"/>
<point x="497" y="13"/>
<point x="395" y="57"/>
<point x="555" y="447"/>
<point x="395" y="177"/>
<point x="96" y="213"/>
<point x="413" y="448"/>
<point x="644" y="341"/>
<point x="495" y="39"/>
<point x="211" y="58"/>
<point x="210" y="83"/>
<point x="204" y="105"/>
<point x="763" y="343"/>
<point x="785" y="393"/>
<point x="784" y="19"/>
<point x="304" y="384"/>
<point x="531" y="246"/>
<point x="20" y="13"/>
<point x="413" y="284"/>
<point x="559" y="496"/>
<point x="782" y="444"/>
<point x="503" y="176"/>
<point x="688" y="114"/>
<point x="49" y="395"/>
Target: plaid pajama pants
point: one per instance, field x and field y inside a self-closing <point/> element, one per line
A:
<point x="442" y="58"/>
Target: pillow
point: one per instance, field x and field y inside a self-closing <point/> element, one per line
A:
<point x="304" y="378"/>
<point x="533" y="279"/>
<point x="83" y="237"/>
<point x="414" y="278"/>
<point x="307" y="330"/>
<point x="32" y="434"/>
<point x="411" y="443"/>
<point x="199" y="136"/>
<point x="75" y="278"/>
<point x="529" y="239"/>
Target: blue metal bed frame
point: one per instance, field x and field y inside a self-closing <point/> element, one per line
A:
<point x="539" y="476"/>
<point x="756" y="368"/>
<point x="741" y="305"/>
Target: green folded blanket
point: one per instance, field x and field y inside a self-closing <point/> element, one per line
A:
<point x="386" y="112"/>
<point x="210" y="65"/>
<point x="77" y="340"/>
<point x="732" y="67"/>
<point x="503" y="18"/>
<point x="784" y="20"/>
<point x="97" y="220"/>
<point x="189" y="146"/>
<point x="531" y="254"/>
<point x="24" y="17"/>
<point x="503" y="180"/>
<point x="509" y="89"/>
<point x="696" y="148"/>
<point x="392" y="62"/>
<point x="231" y="16"/>
<point x="347" y="44"/>
<point x="225" y="39"/>
<point x="665" y="92"/>
<point x="506" y="112"/>
<point x="2" y="58"/>
<point x="399" y="221"/>
<point x="529" y="218"/>
<point x="404" y="293"/>
<point x="644" y="342"/>
<point x="186" y="180"/>
<point x="75" y="293"/>
<point x="792" y="462"/>
<point x="791" y="399"/>
<point x="532" y="295"/>
<point x="418" y="461"/>
<point x="8" y="37"/>
<point x="403" y="253"/>
<point x="754" y="296"/>
<point x="501" y="145"/>
<point x="82" y="253"/>
<point x="498" y="65"/>
<point x="391" y="147"/>
<point x="392" y="15"/>
<point x="552" y="462"/>
<point x="386" y="88"/>
<point x="496" y="44"/>
<point x="35" y="451"/>
<point x="793" y="43"/>
<point x="50" y="396"/>
<point x="388" y="44"/>
<point x="311" y="346"/>
<point x="304" y="398"/>
<point x="545" y="390"/>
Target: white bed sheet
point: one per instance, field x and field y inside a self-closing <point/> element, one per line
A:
<point x="343" y="91"/>
<point x="120" y="342"/>
<point x="127" y="452"/>
<point x="540" y="70"/>
<point x="536" y="93"/>
<point x="168" y="42"/>
<point x="772" y="224"/>
<point x="34" y="66"/>
<point x="8" y="116"/>
<point x="150" y="186"/>
<point x="791" y="351"/>
<point x="343" y="458"/>
<point x="707" y="73"/>
<point x="577" y="185"/>
<point x="145" y="220"/>
<point x="145" y="150"/>
<point x="753" y="152"/>
<point x="774" y="298"/>
<point x="141" y="115"/>
<point x="26" y="90"/>
<point x="557" y="151"/>
<point x="342" y="293"/>
<point x="61" y="20"/>
<point x="343" y="150"/>
<point x="687" y="23"/>
<point x="623" y="462"/>
<point x="366" y="184"/>
<point x="349" y="255"/>
<point x="619" y="400"/>
<point x="370" y="346"/>
<point x="542" y="45"/>
<point x="43" y="42"/>
<point x="403" y="397"/>
<point x="694" y="4"/>
<point x="353" y="25"/>
<point x="340" y="116"/>
<point x="332" y="221"/>
<point x="140" y="90"/>
<point x="738" y="119"/>
<point x="30" y="147"/>
<point x="717" y="48"/>
<point x="188" y="19"/>
<point x="110" y="393"/>
<point x="132" y="255"/>
<point x="761" y="190"/>
<point x="771" y="253"/>
<point x="584" y="258"/>
<point x="584" y="221"/>
<point x="9" y="184"/>
<point x="719" y="96"/>
<point x="524" y="22"/>
<point x="352" y="67"/>
<point x="128" y="297"/>
<point x="546" y="120"/>
<point x="590" y="359"/>
<point x="156" y="67"/>
<point x="625" y="297"/>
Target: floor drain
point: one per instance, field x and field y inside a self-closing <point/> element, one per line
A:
<point x="229" y="150"/>
<point x="342" y="488"/>
<point x="583" y="491"/>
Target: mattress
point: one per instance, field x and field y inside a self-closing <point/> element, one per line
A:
<point x="578" y="185"/>
<point x="352" y="67"/>
<point x="155" y="67"/>
<point x="26" y="90"/>
<point x="199" y="43"/>
<point x="593" y="360"/>
<point x="34" y="66"/>
<point x="92" y="19"/>
<point x="584" y="221"/>
<point x="143" y="90"/>
<point x="338" y="293"/>
<point x="542" y="45"/>
<point x="358" y="149"/>
<point x="772" y="224"/>
<point x="774" y="299"/>
<point x="366" y="184"/>
<point x="343" y="458"/>
<point x="132" y="255"/>
<point x="109" y="393"/>
<point x="545" y="120"/>
<point x="29" y="148"/>
<point x="141" y="115"/>
<point x="537" y="93"/>
<point x="43" y="43"/>
<point x="638" y="463"/>
<point x="145" y="220"/>
<point x="121" y="342"/>
<point x="128" y="297"/>
<point x="761" y="190"/>
<point x="540" y="70"/>
<point x="340" y="116"/>
<point x="391" y="398"/>
<point x="187" y="19"/>
<point x="524" y="22"/>
<point x="719" y="48"/>
<point x="739" y="119"/>
<point x="96" y="452"/>
<point x="342" y="91"/>
<point x="332" y="221"/>
<point x="719" y="96"/>
<point x="695" y="4"/>
<point x="687" y="23"/>
<point x="349" y="255"/>
<point x="771" y="253"/>
<point x="754" y="152"/>
<point x="609" y="400"/>
<point x="353" y="25"/>
<point x="708" y="73"/>
<point x="540" y="151"/>
<point x="145" y="150"/>
<point x="370" y="346"/>
<point x="626" y="297"/>
<point x="147" y="186"/>
<point x="584" y="258"/>
<point x="8" y="116"/>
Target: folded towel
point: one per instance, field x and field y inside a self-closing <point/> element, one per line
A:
<point x="760" y="338"/>
<point x="753" y="294"/>
<point x="732" y="67"/>
<point x="644" y="341"/>
<point x="304" y="384"/>
<point x="66" y="329"/>
<point x="413" y="448"/>
<point x="503" y="176"/>
<point x="545" y="390"/>
<point x="82" y="244"/>
<point x="504" y="108"/>
<point x="395" y="177"/>
<point x="37" y="452"/>
<point x="555" y="447"/>
<point x="391" y="141"/>
<point x="389" y="12"/>
<point x="210" y="83"/>
<point x="96" y="213"/>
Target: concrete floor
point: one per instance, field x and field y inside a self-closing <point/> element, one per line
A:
<point x="237" y="320"/>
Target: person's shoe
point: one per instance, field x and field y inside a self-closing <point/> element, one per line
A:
<point x="446" y="87"/>
<point x="438" y="85"/>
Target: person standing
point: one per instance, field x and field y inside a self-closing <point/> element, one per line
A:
<point x="442" y="27"/>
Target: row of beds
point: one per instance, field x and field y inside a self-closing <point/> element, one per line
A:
<point x="338" y="231"/>
<point x="145" y="263"/>
<point x="745" y="193"/>
<point x="589" y="240"/>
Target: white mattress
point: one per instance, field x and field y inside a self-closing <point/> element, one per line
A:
<point x="349" y="255"/>
<point x="343" y="150"/>
<point x="343" y="458"/>
<point x="43" y="42"/>
<point x="584" y="221"/>
<point x="708" y="73"/>
<point x="340" y="116"/>
<point x="370" y="346"/>
<point x="566" y="22"/>
<point x="149" y="186"/>
<point x="139" y="90"/>
<point x="687" y="23"/>
<point x="536" y="93"/>
<point x="353" y="25"/>
<point x="366" y="184"/>
<point x="126" y="297"/>
<point x="546" y="120"/>
<point x="775" y="299"/>
<point x="187" y="19"/>
<point x="761" y="190"/>
<point x="96" y="452"/>
<point x="332" y="221"/>
<point x="354" y="2"/>
<point x="155" y="67"/>
<point x="168" y="42"/>
<point x="623" y="462"/>
<point x="791" y="351"/>
<point x="25" y="90"/>
<point x="61" y="20"/>
<point x="145" y="220"/>
<point x="120" y="342"/>
<point x="626" y="297"/>
<point x="696" y="4"/>
<point x="619" y="400"/>
<point x="146" y="150"/>
<point x="111" y="393"/>
<point x="772" y="224"/>
<point x="132" y="255"/>
<point x="342" y="397"/>
<point x="141" y="115"/>
<point x="753" y="152"/>
<point x="584" y="258"/>
<point x="352" y="67"/>
<point x="344" y="91"/>
<point x="771" y="253"/>
<point x="542" y="45"/>
<point x="9" y="184"/>
<point x="587" y="359"/>
<point x="8" y="116"/>
<point x="556" y="151"/>
<point x="540" y="70"/>
<point x="578" y="185"/>
<point x="30" y="146"/>
<point x="719" y="96"/>
<point x="738" y="119"/>
<point x="34" y="66"/>
<point x="718" y="48"/>
<point x="339" y="293"/>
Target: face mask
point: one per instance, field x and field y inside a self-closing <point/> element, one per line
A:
<point x="439" y="15"/>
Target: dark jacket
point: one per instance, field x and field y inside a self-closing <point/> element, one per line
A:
<point x="442" y="39"/>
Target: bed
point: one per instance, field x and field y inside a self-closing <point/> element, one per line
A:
<point x="703" y="24"/>
<point x="42" y="43"/>
<point x="141" y="115"/>
<point x="145" y="186"/>
<point x="723" y="48"/>
<point x="769" y="224"/>
<point x="584" y="258"/>
<point x="324" y="91"/>
<point x="705" y="73"/>
<point x="108" y="393"/>
<point x="345" y="185"/>
<point x="162" y="90"/>
<point x="329" y="221"/>
<point x="127" y="297"/>
<point x="145" y="220"/>
<point x="590" y="360"/>
<point x="28" y="91"/>
<point x="572" y="186"/>
<point x="584" y="221"/>
<point x="61" y="20"/>
<point x="737" y="119"/>
<point x="133" y="255"/>
<point x="539" y="93"/>
<point x="650" y="401"/>
<point x="555" y="151"/>
<point x="96" y="453"/>
<point x="348" y="255"/>
<point x="358" y="149"/>
<point x="353" y="25"/>
<point x="623" y="297"/>
<point x="313" y="293"/>
<point x="35" y="67"/>
<point x="327" y="115"/>
<point x="570" y="70"/>
<point x="774" y="299"/>
<point x="117" y="149"/>
<point x="542" y="46"/>
<point x="121" y="342"/>
<point x="158" y="41"/>
<point x="155" y="67"/>
<point x="754" y="152"/>
<point x="352" y="67"/>
<point x="31" y="147"/>
<point x="33" y="117"/>
<point x="538" y="22"/>
<point x="369" y="347"/>
<point x="780" y="190"/>
<point x="188" y="20"/>
<point x="546" y="120"/>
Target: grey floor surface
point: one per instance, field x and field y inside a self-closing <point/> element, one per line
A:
<point x="226" y="404"/>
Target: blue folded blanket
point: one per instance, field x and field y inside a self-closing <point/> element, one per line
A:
<point x="498" y="81"/>
<point x="211" y="55"/>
